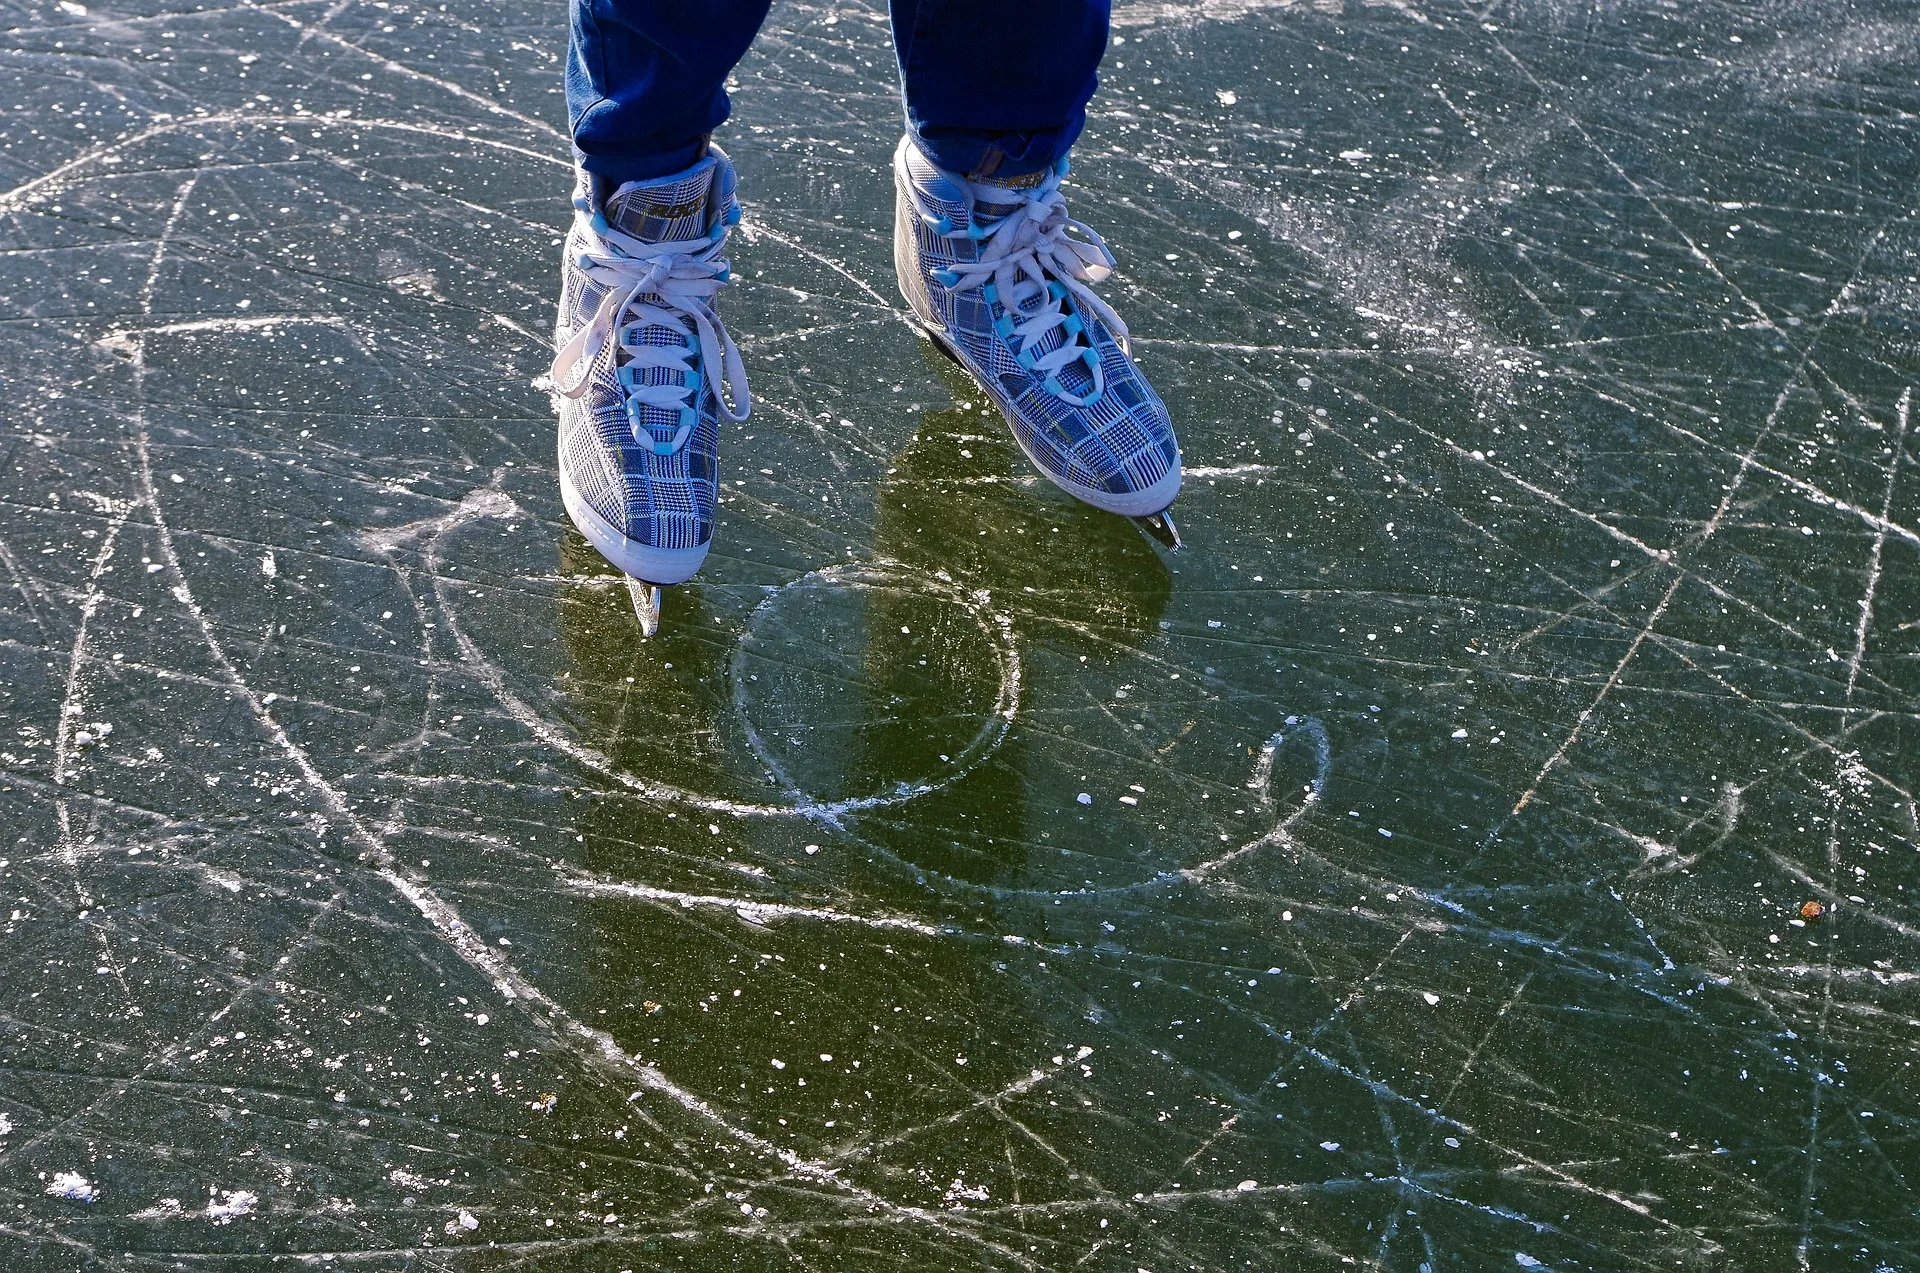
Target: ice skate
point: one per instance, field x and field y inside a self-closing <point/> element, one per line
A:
<point x="645" y="372"/>
<point x="1001" y="279"/>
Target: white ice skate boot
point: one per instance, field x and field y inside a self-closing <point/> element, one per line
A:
<point x="646" y="372"/>
<point x="1002" y="279"/>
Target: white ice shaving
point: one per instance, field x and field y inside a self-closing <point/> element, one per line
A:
<point x="73" y="1186"/>
<point x="233" y="1202"/>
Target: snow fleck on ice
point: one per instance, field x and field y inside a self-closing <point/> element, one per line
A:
<point x="1084" y="798"/>
<point x="1247" y="1186"/>
<point x="960" y="1189"/>
<point x="233" y="1202"/>
<point x="72" y="1185"/>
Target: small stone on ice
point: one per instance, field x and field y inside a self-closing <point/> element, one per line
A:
<point x="812" y="849"/>
<point x="1084" y="798"/>
<point x="1329" y="1145"/>
<point x="1430" y="997"/>
<point x="1459" y="733"/>
<point x="1248" y="1186"/>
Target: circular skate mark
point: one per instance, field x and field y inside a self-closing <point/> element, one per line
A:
<point x="804" y="666"/>
<point x="866" y="684"/>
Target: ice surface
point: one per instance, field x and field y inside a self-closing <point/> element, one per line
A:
<point x="1549" y="635"/>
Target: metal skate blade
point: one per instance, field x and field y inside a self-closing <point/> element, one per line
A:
<point x="1159" y="526"/>
<point x="940" y="343"/>
<point x="646" y="604"/>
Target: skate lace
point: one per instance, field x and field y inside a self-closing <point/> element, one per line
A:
<point x="655" y="285"/>
<point x="1040" y="275"/>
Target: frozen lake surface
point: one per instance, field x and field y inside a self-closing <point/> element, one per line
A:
<point x="1492" y="844"/>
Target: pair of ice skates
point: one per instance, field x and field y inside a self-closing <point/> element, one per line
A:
<point x="997" y="274"/>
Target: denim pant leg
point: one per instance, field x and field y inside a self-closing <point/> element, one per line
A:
<point x="998" y="88"/>
<point x="645" y="77"/>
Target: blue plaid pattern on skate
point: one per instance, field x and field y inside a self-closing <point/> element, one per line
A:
<point x="659" y="501"/>
<point x="1119" y="444"/>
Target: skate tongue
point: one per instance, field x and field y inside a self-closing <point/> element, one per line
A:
<point x="669" y="211"/>
<point x="998" y="198"/>
<point x="995" y="199"/>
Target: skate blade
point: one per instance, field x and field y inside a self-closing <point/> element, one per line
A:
<point x="646" y="604"/>
<point x="1160" y="528"/>
<point x="940" y="343"/>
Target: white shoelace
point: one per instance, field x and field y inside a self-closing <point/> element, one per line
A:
<point x="1023" y="252"/>
<point x="682" y="277"/>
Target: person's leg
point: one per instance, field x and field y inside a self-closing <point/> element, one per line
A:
<point x="645" y="81"/>
<point x="998" y="88"/>
<point x="990" y="261"/>
<point x="644" y="373"/>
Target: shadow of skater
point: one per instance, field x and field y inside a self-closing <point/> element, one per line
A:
<point x="962" y="501"/>
<point x="651" y="705"/>
<point x="850" y="681"/>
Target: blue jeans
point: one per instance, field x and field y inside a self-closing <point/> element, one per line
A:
<point x="992" y="87"/>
